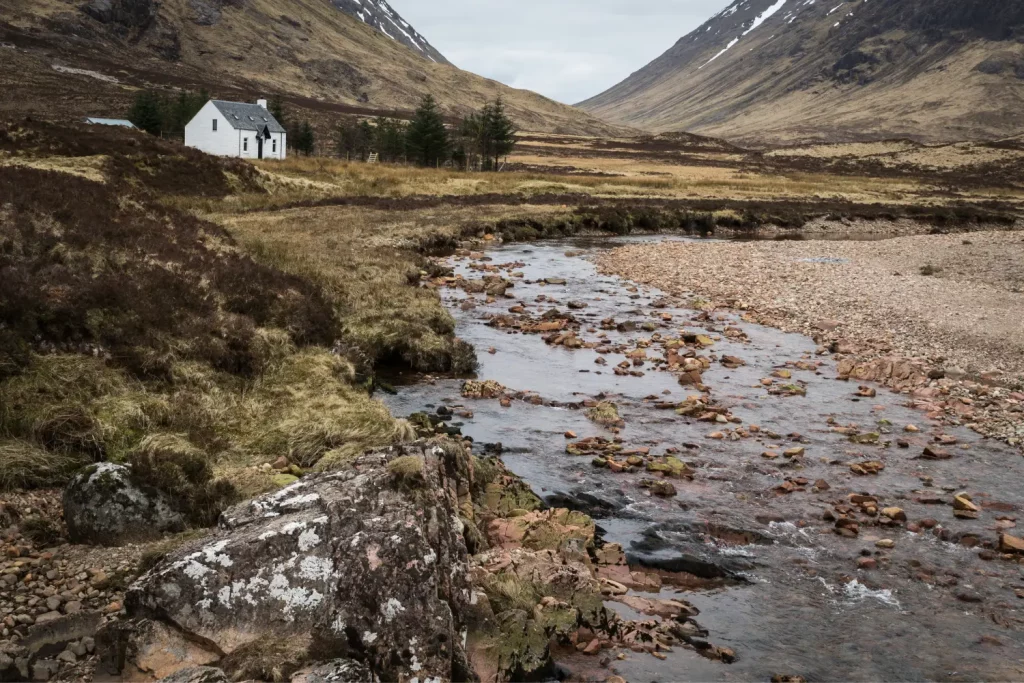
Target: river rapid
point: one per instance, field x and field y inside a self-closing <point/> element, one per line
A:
<point x="797" y="598"/>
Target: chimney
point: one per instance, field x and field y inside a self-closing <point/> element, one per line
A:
<point x="262" y="103"/>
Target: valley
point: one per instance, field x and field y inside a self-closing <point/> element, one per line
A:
<point x="718" y="377"/>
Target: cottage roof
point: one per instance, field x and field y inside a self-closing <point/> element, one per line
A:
<point x="109" y="122"/>
<point x="243" y="116"/>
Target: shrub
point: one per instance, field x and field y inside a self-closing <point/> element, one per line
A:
<point x="172" y="465"/>
<point x="42" y="532"/>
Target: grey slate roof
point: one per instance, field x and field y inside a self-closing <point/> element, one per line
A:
<point x="109" y="122"/>
<point x="243" y="116"/>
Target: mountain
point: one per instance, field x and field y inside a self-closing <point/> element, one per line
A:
<point x="380" y="15"/>
<point x="71" y="58"/>
<point x="796" y="70"/>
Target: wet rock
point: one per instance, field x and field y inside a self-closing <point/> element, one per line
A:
<point x="931" y="453"/>
<point x="370" y="558"/>
<point x="197" y="674"/>
<point x="659" y="487"/>
<point x="867" y="564"/>
<point x="885" y="544"/>
<point x="970" y="596"/>
<point x="485" y="389"/>
<point x="963" y="502"/>
<point x="870" y="467"/>
<point x="337" y="671"/>
<point x="103" y="506"/>
<point x="895" y="514"/>
<point x="1011" y="544"/>
<point x="796" y="452"/>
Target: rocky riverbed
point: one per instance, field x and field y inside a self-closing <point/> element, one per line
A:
<point x="831" y="528"/>
<point x="946" y="304"/>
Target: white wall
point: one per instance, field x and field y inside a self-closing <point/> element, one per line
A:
<point x="199" y="133"/>
<point x="227" y="141"/>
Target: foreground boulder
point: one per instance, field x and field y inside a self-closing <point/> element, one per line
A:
<point x="366" y="568"/>
<point x="103" y="506"/>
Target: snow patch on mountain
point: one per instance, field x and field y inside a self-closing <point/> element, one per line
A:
<point x="381" y="16"/>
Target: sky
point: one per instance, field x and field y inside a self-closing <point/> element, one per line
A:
<point x="568" y="50"/>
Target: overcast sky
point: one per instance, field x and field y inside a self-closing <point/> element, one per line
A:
<point x="568" y="50"/>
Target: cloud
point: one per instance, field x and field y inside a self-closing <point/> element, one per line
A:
<point x="568" y="50"/>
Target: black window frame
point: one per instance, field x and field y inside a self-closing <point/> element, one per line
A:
<point x="215" y="125"/>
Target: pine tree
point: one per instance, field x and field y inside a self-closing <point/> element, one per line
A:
<point x="147" y="112"/>
<point x="307" y="139"/>
<point x="276" y="109"/>
<point x="500" y="131"/>
<point x="427" y="138"/>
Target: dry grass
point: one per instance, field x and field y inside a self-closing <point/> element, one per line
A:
<point x="362" y="261"/>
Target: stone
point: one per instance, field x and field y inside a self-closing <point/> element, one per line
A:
<point x="203" y="674"/>
<point x="362" y="558"/>
<point x="911" y="429"/>
<point x="45" y="669"/>
<point x="53" y="603"/>
<point x="103" y="506"/>
<point x="895" y="514"/>
<point x="885" y="544"/>
<point x="963" y="502"/>
<point x="867" y="563"/>
<point x="1011" y="544"/>
<point x="337" y="671"/>
<point x="72" y="607"/>
<point x="796" y="452"/>
<point x="68" y="657"/>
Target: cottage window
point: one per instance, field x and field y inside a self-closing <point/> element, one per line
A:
<point x="215" y="125"/>
<point x="245" y="144"/>
<point x="273" y="146"/>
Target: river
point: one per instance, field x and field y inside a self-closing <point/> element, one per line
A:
<point x="796" y="602"/>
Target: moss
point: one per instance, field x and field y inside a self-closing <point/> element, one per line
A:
<point x="282" y="480"/>
<point x="407" y="470"/>
<point x="671" y="466"/>
<point x="156" y="552"/>
<point x="605" y="414"/>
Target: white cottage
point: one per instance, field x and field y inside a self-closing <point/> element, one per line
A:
<point x="236" y="129"/>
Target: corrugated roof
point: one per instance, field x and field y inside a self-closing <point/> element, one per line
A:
<point x="244" y="116"/>
<point x="110" y="122"/>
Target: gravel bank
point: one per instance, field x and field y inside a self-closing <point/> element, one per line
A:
<point x="968" y="317"/>
<point x="970" y="313"/>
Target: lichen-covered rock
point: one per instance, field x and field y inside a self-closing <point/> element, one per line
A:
<point x="338" y="671"/>
<point x="365" y="564"/>
<point x="102" y="506"/>
<point x="197" y="674"/>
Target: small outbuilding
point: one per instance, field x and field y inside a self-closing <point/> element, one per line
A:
<point x="96" y="121"/>
<point x="237" y="129"/>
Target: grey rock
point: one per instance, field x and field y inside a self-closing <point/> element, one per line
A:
<point x="73" y="607"/>
<point x="45" y="669"/>
<point x="197" y="674"/>
<point x="360" y="560"/>
<point x="126" y="14"/>
<point x="103" y="506"/>
<point x="53" y="603"/>
<point x="338" y="671"/>
<point x="61" y="630"/>
<point x="67" y="656"/>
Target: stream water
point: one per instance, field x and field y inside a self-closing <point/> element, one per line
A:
<point x="799" y="604"/>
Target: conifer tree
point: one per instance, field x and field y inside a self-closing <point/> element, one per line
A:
<point x="427" y="137"/>
<point x="500" y="132"/>
<point x="147" y="112"/>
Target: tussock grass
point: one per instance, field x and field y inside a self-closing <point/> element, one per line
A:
<point x="365" y="271"/>
<point x="23" y="465"/>
<point x="318" y="416"/>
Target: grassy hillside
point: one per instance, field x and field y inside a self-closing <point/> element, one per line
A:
<point x="319" y="57"/>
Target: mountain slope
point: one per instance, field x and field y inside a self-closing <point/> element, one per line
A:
<point x="787" y="70"/>
<point x="380" y="15"/>
<point x="95" y="54"/>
